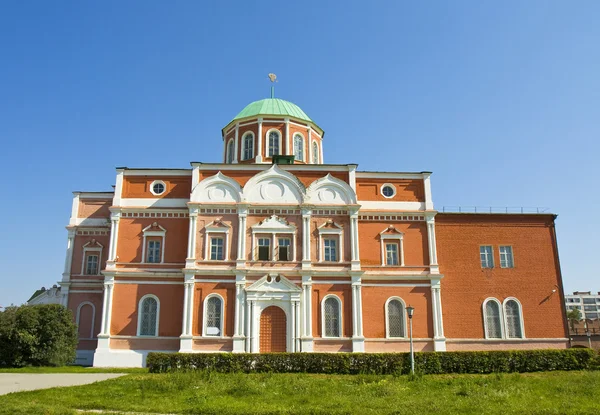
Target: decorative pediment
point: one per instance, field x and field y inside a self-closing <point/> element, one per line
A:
<point x="217" y="226"/>
<point x="155" y="229"/>
<point x="274" y="283"/>
<point x="329" y="190"/>
<point x="93" y="244"/>
<point x="330" y="227"/>
<point x="391" y="232"/>
<point x="274" y="186"/>
<point x="274" y="224"/>
<point x="217" y="189"/>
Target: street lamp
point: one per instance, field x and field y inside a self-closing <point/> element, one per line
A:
<point x="411" y="310"/>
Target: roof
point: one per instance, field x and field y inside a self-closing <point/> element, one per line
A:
<point x="36" y="293"/>
<point x="273" y="106"/>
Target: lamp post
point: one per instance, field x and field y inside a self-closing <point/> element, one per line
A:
<point x="411" y="310"/>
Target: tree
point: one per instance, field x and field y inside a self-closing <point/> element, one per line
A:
<point x="573" y="316"/>
<point x="38" y="335"/>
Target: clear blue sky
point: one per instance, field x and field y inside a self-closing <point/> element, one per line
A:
<point x="499" y="99"/>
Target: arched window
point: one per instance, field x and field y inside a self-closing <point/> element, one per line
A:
<point x="86" y="314"/>
<point x="315" y="152"/>
<point x="230" y="152"/>
<point x="299" y="147"/>
<point x="273" y="143"/>
<point x="492" y="319"/>
<point x="248" y="141"/>
<point x="148" y="316"/>
<point x="213" y="315"/>
<point x="395" y="322"/>
<point x="332" y="316"/>
<point x="512" y="314"/>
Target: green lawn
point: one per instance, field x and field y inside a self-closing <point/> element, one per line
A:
<point x="535" y="393"/>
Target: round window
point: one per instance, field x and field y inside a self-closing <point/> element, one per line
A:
<point x="158" y="188"/>
<point x="388" y="190"/>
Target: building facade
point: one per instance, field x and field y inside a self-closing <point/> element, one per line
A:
<point x="273" y="250"/>
<point x="586" y="302"/>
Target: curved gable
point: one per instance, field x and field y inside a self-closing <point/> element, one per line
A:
<point x="330" y="191"/>
<point x="274" y="186"/>
<point x="217" y="189"/>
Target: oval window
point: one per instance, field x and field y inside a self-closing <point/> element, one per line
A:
<point x="388" y="190"/>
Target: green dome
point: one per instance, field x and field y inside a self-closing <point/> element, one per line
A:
<point x="273" y="106"/>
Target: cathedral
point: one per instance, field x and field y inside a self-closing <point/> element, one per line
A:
<point x="274" y="250"/>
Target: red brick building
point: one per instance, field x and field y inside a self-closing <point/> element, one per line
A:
<point x="256" y="255"/>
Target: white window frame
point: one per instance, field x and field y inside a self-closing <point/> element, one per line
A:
<point x="205" y="316"/>
<point x="290" y="256"/>
<point x="336" y="231"/>
<point x="78" y="317"/>
<point x="92" y="246"/>
<point x="245" y="148"/>
<point x="512" y="255"/>
<point x="139" y="310"/>
<point x="212" y="239"/>
<point x="302" y="141"/>
<point x="312" y="149"/>
<point x="390" y="185"/>
<point x="500" y="316"/>
<point x="391" y="234"/>
<point x="341" y="318"/>
<point x="162" y="233"/>
<point x="230" y="152"/>
<point x="387" y="318"/>
<point x="211" y="229"/>
<point x="273" y="228"/>
<point x="491" y="256"/>
<point x="506" y="300"/>
<point x="267" y="142"/>
<point x="158" y="182"/>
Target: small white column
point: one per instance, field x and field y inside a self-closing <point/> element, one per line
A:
<point x="433" y="264"/>
<point x="309" y="156"/>
<point x="104" y="335"/>
<point x="306" y="257"/>
<point x="241" y="246"/>
<point x="306" y="305"/>
<point x="66" y="276"/>
<point x="190" y="261"/>
<point x="186" y="339"/>
<point x="236" y="143"/>
<point x="354" y="244"/>
<point x="321" y="151"/>
<point x="259" y="140"/>
<point x="115" y="218"/>
<point x="288" y="147"/>
<point x="293" y="328"/>
<point x="439" y="340"/>
<point x="238" y="324"/>
<point x="358" y="340"/>
<point x="427" y="186"/>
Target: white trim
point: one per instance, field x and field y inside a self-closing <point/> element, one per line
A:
<point x="103" y="222"/>
<point x="389" y="175"/>
<point x="381" y="205"/>
<point x="154" y="202"/>
<point x="78" y="315"/>
<point x="340" y="315"/>
<point x="387" y="318"/>
<point x="210" y="229"/>
<point x="215" y="281"/>
<point x="395" y="236"/>
<point x="97" y="249"/>
<point x="156" y="172"/>
<point x="155" y="182"/>
<point x="205" y="315"/>
<point x="161" y="234"/>
<point x="500" y="317"/>
<point x="512" y="255"/>
<point x="396" y="285"/>
<point x="94" y="195"/>
<point x="148" y="282"/>
<point x="507" y="299"/>
<point x="530" y="340"/>
<point x="246" y="134"/>
<point x="388" y="185"/>
<point x="337" y="231"/>
<point x="280" y="148"/>
<point x="304" y="158"/>
<point x="74" y="209"/>
<point x="139" y="310"/>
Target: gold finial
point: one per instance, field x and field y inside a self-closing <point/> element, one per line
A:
<point x="273" y="79"/>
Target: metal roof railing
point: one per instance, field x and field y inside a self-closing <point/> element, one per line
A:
<point x="494" y="209"/>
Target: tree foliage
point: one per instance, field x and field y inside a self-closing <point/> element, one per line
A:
<point x="573" y="316"/>
<point x="37" y="335"/>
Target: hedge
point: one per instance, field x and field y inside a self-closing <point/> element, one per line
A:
<point x="376" y="363"/>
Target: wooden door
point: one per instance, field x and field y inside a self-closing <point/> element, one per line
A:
<point x="273" y="329"/>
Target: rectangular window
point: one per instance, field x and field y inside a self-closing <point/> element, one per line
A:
<point x="91" y="265"/>
<point x="592" y="316"/>
<point x="506" y="257"/>
<point x="589" y="301"/>
<point x="264" y="249"/>
<point x="216" y="249"/>
<point x="154" y="252"/>
<point x="589" y="308"/>
<point x="330" y="249"/>
<point x="391" y="254"/>
<point x="284" y="249"/>
<point x="486" y="255"/>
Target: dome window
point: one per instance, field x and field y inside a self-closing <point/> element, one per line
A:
<point x="315" y="153"/>
<point x="388" y="190"/>
<point x="158" y="187"/>
<point x="299" y="147"/>
<point x="274" y="138"/>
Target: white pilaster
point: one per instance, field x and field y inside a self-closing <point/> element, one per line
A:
<point x="118" y="188"/>
<point x="352" y="176"/>
<point x="321" y="151"/>
<point x="115" y="218"/>
<point x="309" y="156"/>
<point x="238" y="329"/>
<point x="288" y="147"/>
<point x="439" y="340"/>
<point x="236" y="142"/>
<point x="307" y="338"/>
<point x="104" y="335"/>
<point x="190" y="261"/>
<point x="306" y="257"/>
<point x="74" y="209"/>
<point x="427" y="186"/>
<point x="259" y="139"/>
<point x="66" y="276"/>
<point x="434" y="268"/>
<point x="358" y="340"/>
<point x="185" y="340"/>
<point x="241" y="248"/>
<point x="354" y="244"/>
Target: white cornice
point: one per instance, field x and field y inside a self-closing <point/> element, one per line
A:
<point x="390" y="175"/>
<point x="399" y="206"/>
<point x="154" y="202"/>
<point x="157" y="172"/>
<point x="325" y="168"/>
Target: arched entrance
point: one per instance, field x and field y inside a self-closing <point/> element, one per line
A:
<point x="273" y="327"/>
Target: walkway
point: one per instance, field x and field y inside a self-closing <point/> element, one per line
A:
<point x="17" y="382"/>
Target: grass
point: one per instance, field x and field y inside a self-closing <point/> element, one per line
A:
<point x="214" y="393"/>
<point x="71" y="369"/>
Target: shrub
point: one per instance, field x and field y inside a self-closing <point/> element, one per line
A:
<point x="375" y="363"/>
<point x="38" y="335"/>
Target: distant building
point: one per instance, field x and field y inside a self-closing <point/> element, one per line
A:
<point x="46" y="296"/>
<point x="586" y="302"/>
